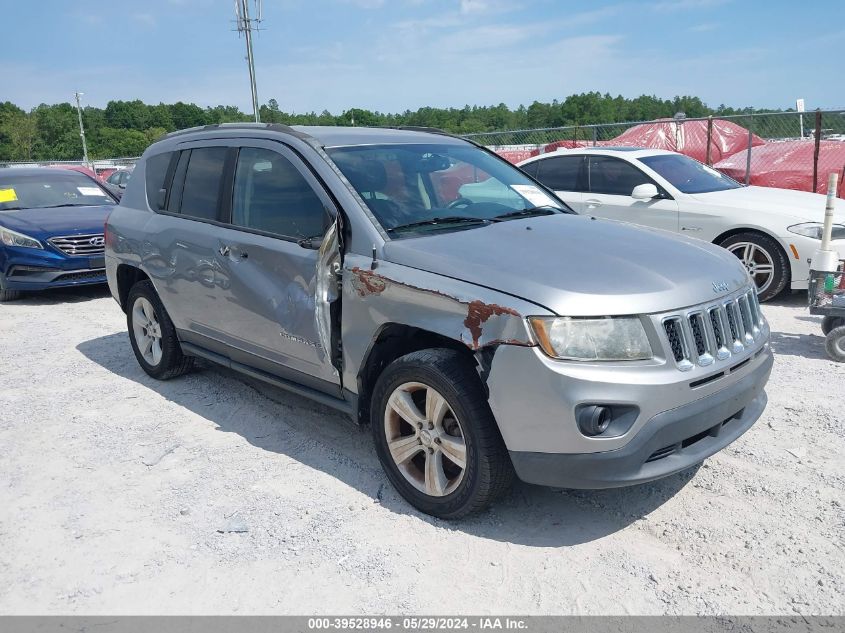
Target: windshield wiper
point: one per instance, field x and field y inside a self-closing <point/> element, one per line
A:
<point x="67" y="204"/>
<point x="529" y="213"/>
<point x="452" y="219"/>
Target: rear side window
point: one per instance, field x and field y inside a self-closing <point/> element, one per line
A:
<point x="203" y="179"/>
<point x="271" y="195"/>
<point x="156" y="171"/>
<point x="531" y="168"/>
<point x="560" y="173"/>
<point x="613" y="176"/>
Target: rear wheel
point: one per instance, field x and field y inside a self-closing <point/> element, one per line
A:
<point x="153" y="336"/>
<point x="830" y="322"/>
<point x="835" y="344"/>
<point x="764" y="260"/>
<point x="9" y="295"/>
<point x="435" y="434"/>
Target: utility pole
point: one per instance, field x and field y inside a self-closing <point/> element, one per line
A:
<point x="82" y="130"/>
<point x="246" y="25"/>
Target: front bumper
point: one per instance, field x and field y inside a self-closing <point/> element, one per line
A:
<point x="33" y="269"/>
<point x="668" y="443"/>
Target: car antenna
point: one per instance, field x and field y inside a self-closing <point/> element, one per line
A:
<point x="374" y="263"/>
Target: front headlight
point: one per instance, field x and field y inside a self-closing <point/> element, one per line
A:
<point x="814" y="230"/>
<point x="604" y="338"/>
<point x="13" y="238"/>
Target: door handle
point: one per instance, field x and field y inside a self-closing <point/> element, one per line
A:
<point x="593" y="204"/>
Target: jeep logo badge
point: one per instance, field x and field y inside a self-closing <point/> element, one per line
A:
<point x="720" y="286"/>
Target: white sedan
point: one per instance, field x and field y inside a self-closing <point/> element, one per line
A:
<point x="773" y="231"/>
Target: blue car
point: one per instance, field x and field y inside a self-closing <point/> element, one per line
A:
<point x="51" y="230"/>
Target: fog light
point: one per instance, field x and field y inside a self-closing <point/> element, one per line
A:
<point x="594" y="420"/>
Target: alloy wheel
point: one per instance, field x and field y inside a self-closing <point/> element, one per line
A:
<point x="147" y="331"/>
<point x="757" y="261"/>
<point x="425" y="439"/>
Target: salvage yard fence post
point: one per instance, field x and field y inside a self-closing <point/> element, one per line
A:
<point x="816" y="149"/>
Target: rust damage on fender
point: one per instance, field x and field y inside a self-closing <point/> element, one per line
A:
<point x="479" y="312"/>
<point x="366" y="282"/>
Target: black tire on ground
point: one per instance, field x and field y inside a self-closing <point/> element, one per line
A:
<point x="488" y="473"/>
<point x="782" y="271"/>
<point x="9" y="295"/>
<point x="173" y="362"/>
<point x="835" y="344"/>
<point x="830" y="322"/>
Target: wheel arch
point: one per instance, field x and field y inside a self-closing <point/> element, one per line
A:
<point x="127" y="276"/>
<point x="392" y="341"/>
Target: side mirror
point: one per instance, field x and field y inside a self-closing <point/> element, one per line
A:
<point x="645" y="192"/>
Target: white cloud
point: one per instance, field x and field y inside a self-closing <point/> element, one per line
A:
<point x="144" y="19"/>
<point x="687" y="5"/>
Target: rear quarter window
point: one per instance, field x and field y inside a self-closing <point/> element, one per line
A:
<point x="156" y="172"/>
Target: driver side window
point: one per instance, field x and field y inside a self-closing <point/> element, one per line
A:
<point x="613" y="176"/>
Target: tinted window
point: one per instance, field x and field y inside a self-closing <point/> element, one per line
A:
<point x="561" y="172"/>
<point x="615" y="177"/>
<point x="201" y="191"/>
<point x="156" y="171"/>
<point x="531" y="168"/>
<point x="271" y="195"/>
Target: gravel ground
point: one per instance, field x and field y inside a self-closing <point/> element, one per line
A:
<point x="212" y="494"/>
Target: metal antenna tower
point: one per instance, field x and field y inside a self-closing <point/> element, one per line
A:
<point x="246" y="25"/>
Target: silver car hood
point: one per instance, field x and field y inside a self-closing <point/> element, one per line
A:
<point x="577" y="266"/>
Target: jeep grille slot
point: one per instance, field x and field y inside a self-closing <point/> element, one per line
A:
<point x="718" y="328"/>
<point x="675" y="334"/>
<point x="696" y="324"/>
<point x="733" y="321"/>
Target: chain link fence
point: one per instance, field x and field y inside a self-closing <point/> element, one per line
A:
<point x="103" y="167"/>
<point x="791" y="150"/>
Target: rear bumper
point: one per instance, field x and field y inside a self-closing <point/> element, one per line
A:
<point x="668" y="443"/>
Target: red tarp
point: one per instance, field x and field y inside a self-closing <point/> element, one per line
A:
<point x="685" y="137"/>
<point x="789" y="165"/>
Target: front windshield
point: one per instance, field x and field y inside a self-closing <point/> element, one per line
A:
<point x="49" y="188"/>
<point x="688" y="175"/>
<point x="413" y="188"/>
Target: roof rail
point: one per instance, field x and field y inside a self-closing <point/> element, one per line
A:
<point x="277" y="127"/>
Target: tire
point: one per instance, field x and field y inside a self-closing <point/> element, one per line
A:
<point x="463" y="419"/>
<point x="835" y="344"/>
<point x="757" y="251"/>
<point x="830" y="322"/>
<point x="9" y="295"/>
<point x="162" y="358"/>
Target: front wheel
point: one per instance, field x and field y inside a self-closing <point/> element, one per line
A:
<point x="9" y="295"/>
<point x="835" y="344"/>
<point x="435" y="434"/>
<point x="764" y="260"/>
<point x="153" y="336"/>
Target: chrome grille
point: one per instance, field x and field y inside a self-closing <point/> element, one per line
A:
<point x="87" y="245"/>
<point x="709" y="333"/>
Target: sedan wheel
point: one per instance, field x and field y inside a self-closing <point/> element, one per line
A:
<point x="758" y="263"/>
<point x="764" y="260"/>
<point x="147" y="331"/>
<point x="425" y="439"/>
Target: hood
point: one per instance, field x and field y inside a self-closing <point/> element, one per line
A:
<point x="577" y="266"/>
<point x="800" y="205"/>
<point x="45" y="223"/>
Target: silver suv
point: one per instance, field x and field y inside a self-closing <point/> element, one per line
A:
<point x="483" y="332"/>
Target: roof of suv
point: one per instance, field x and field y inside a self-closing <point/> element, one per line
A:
<point x="629" y="152"/>
<point x="327" y="136"/>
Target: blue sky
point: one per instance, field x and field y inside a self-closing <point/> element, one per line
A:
<point x="392" y="55"/>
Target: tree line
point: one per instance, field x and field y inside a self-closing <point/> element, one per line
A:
<point x="126" y="128"/>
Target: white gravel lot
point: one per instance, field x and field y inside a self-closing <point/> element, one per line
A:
<point x="113" y="489"/>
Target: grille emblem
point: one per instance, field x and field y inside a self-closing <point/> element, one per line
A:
<point x="97" y="241"/>
<point x="720" y="286"/>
